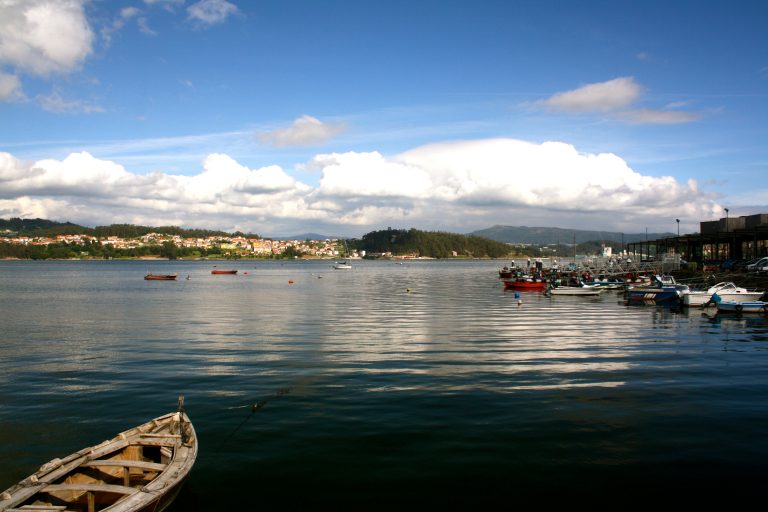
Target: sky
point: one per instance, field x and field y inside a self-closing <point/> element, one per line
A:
<point x="339" y="117"/>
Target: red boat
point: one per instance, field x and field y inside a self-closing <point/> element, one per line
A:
<point x="160" y="277"/>
<point x="523" y="284"/>
<point x="223" y="271"/>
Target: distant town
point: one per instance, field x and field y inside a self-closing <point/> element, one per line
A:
<point x="224" y="246"/>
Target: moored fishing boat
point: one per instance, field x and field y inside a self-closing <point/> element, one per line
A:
<point x="525" y="284"/>
<point x="215" y="272"/>
<point x="663" y="289"/>
<point x="161" y="277"/>
<point x="140" y="469"/>
<point x="342" y="265"/>
<point x="726" y="290"/>
<point x="731" y="306"/>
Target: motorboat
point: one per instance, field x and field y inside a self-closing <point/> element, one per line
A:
<point x="727" y="291"/>
<point x="661" y="289"/>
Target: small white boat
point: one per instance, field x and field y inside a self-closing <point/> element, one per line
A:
<point x="576" y="290"/>
<point x="140" y="469"/>
<point x="342" y="265"/>
<point x="731" y="306"/>
<point x="727" y="291"/>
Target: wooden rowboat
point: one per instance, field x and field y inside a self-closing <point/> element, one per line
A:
<point x="223" y="271"/>
<point x="160" y="277"/>
<point x="141" y="469"/>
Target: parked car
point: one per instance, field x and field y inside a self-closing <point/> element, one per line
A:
<point x="741" y="265"/>
<point x="760" y="265"/>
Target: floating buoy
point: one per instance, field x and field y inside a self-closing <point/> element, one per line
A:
<point x="517" y="295"/>
<point x="407" y="290"/>
<point x="245" y="273"/>
<point x="520" y="302"/>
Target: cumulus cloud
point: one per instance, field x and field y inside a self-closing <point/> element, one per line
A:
<point x="614" y="98"/>
<point x="44" y="36"/>
<point x="493" y="172"/>
<point x="305" y="131"/>
<point x="370" y="174"/>
<point x="454" y="186"/>
<point x="211" y="12"/>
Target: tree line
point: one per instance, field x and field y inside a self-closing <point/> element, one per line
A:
<point x="432" y="244"/>
<point x="49" y="228"/>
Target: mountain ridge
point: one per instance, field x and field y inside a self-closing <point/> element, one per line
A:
<point x="562" y="236"/>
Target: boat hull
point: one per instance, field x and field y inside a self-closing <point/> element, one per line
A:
<point x="652" y="295"/>
<point x="743" y="307"/>
<point x="157" y="277"/>
<point x="525" y="285"/>
<point x="576" y="290"/>
<point x="223" y="272"/>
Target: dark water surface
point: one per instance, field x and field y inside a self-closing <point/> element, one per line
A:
<point x="409" y="384"/>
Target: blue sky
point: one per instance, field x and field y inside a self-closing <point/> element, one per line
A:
<point x="339" y="117"/>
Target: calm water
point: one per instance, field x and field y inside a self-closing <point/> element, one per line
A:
<point x="409" y="384"/>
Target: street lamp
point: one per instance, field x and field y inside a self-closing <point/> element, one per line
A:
<point x="726" y="219"/>
<point x="678" y="227"/>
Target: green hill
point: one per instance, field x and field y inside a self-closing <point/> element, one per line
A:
<point x="42" y="227"/>
<point x="430" y="244"/>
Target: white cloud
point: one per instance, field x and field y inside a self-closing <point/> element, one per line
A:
<point x="453" y="186"/>
<point x="55" y="103"/>
<point x="614" y="99"/>
<point x="44" y="36"/>
<point x="597" y="97"/>
<point x="650" y="116"/>
<point x="144" y="27"/>
<point x="305" y="131"/>
<point x="129" y="12"/>
<point x="167" y="4"/>
<point x="370" y="174"/>
<point x="10" y="87"/>
<point x="211" y="12"/>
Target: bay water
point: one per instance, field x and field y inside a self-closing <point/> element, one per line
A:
<point x="413" y="383"/>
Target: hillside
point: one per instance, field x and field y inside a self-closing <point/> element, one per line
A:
<point x="562" y="236"/>
<point x="430" y="244"/>
<point x="43" y="227"/>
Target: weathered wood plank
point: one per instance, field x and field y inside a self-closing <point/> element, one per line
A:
<point x="153" y="466"/>
<point x="117" y="489"/>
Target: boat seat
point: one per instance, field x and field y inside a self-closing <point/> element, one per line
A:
<point x="115" y="489"/>
<point x="39" y="508"/>
<point x="152" y="466"/>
